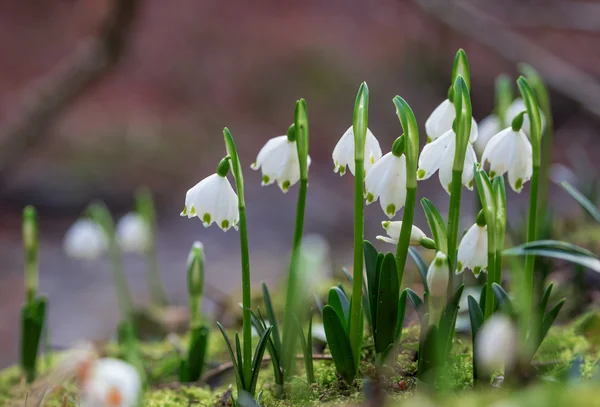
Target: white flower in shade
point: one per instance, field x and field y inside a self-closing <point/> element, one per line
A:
<point x="386" y="181"/>
<point x="343" y="153"/>
<point x="496" y="344"/>
<point x="417" y="236"/>
<point x="133" y="233"/>
<point x="278" y="160"/>
<point x="438" y="275"/>
<point x="488" y="128"/>
<point x="510" y="151"/>
<point x="111" y="383"/>
<point x="441" y="119"/>
<point x="439" y="156"/>
<point x="213" y="200"/>
<point x="473" y="249"/>
<point x="86" y="240"/>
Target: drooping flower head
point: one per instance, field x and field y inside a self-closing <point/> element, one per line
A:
<point x="510" y="151"/>
<point x="343" y="153"/>
<point x="85" y="239"/>
<point x="133" y="233"/>
<point x="439" y="156"/>
<point x="278" y="160"/>
<point x="473" y="248"/>
<point x="437" y="275"/>
<point x="386" y="180"/>
<point x="213" y="200"/>
<point x="417" y="236"/>
<point x="111" y="383"/>
<point x="441" y="119"/>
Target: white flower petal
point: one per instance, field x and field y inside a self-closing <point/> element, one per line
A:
<point x="393" y="230"/>
<point x="386" y="239"/>
<point x="133" y="233"/>
<point x="213" y="200"/>
<point x="438" y="275"/>
<point x="510" y="151"/>
<point x="441" y="119"/>
<point x="446" y="163"/>
<point x="86" y="240"/>
<point x="343" y="153"/>
<point x="521" y="166"/>
<point x="498" y="152"/>
<point x="469" y="167"/>
<point x="431" y="156"/>
<point x="472" y="251"/>
<point x="488" y="128"/>
<point x="386" y="181"/>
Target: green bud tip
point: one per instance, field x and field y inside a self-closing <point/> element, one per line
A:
<point x="480" y="220"/>
<point x="370" y="197"/>
<point x="428" y="243"/>
<point x="390" y="209"/>
<point x="517" y="122"/>
<point x="398" y="146"/>
<point x="29" y="227"/>
<point x="195" y="267"/>
<point x="223" y="167"/>
<point x="291" y="133"/>
<point x="440" y="259"/>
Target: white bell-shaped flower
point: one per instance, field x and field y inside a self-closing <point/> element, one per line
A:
<point x="85" y="239"/>
<point x="510" y="151"/>
<point x="111" y="383"/>
<point x="438" y="275"/>
<point x="496" y="344"/>
<point x="488" y="128"/>
<point x="417" y="236"/>
<point x="133" y="233"/>
<point x="441" y="119"/>
<point x="278" y="160"/>
<point x="473" y="249"/>
<point x="213" y="200"/>
<point x="386" y="181"/>
<point x="343" y="153"/>
<point x="439" y="156"/>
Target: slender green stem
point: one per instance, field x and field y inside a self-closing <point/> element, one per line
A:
<point x="355" y="311"/>
<point x="453" y="218"/>
<point x="120" y="281"/>
<point x="490" y="298"/>
<point x="407" y="222"/>
<point x="289" y="336"/>
<point x="246" y="295"/>
<point x="532" y="230"/>
<point x="157" y="292"/>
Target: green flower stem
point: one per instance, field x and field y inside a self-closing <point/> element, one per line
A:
<point x="30" y="246"/>
<point x="453" y="218"/>
<point x="490" y="298"/>
<point x="246" y="282"/>
<point x="407" y="222"/>
<point x="532" y="227"/>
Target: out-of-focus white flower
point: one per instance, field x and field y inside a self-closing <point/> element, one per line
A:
<point x="133" y="233"/>
<point x="387" y="181"/>
<point x="496" y="344"/>
<point x="417" y="236"/>
<point x="441" y="119"/>
<point x="438" y="275"/>
<point x="439" y="156"/>
<point x="488" y="128"/>
<point x="278" y="160"/>
<point x="111" y="383"/>
<point x="473" y="249"/>
<point x="343" y="153"/>
<point x="510" y="151"/>
<point x="85" y="239"/>
<point x="213" y="200"/>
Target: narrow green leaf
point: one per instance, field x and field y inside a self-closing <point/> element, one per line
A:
<point x="239" y="376"/>
<point x="436" y="224"/>
<point x="475" y="315"/>
<point x="421" y="266"/>
<point x="258" y="357"/>
<point x="306" y="344"/>
<point x="387" y="304"/>
<point x="558" y="250"/>
<point x="272" y="320"/>
<point x="197" y="353"/>
<point x="261" y="327"/>
<point x="547" y="322"/>
<point x="371" y="267"/>
<point x="238" y="351"/>
<point x="430" y="354"/>
<point x="32" y="324"/>
<point x="482" y="298"/>
<point x="417" y="303"/>
<point x="401" y="315"/>
<point x="339" y="302"/>
<point x="585" y="203"/>
<point x="447" y="322"/>
<point x="546" y="298"/>
<point x="339" y="343"/>
<point x="503" y="299"/>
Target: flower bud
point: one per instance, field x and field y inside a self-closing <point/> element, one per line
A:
<point x="195" y="270"/>
<point x="133" y="233"/>
<point x="496" y="344"/>
<point x="438" y="275"/>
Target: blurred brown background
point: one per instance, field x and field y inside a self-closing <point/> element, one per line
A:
<point x="98" y="97"/>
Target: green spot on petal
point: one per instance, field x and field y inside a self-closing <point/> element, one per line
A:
<point x="428" y="140"/>
<point x="372" y="159"/>
<point x="519" y="184"/>
<point x="184" y="211"/>
<point x="206" y="218"/>
<point x="225" y="224"/>
<point x="193" y="211"/>
<point x="492" y="174"/>
<point x="342" y="170"/>
<point x="459" y="266"/>
<point x="286" y="185"/>
<point x="439" y="262"/>
<point x="265" y="179"/>
<point x="471" y="184"/>
<point x="370" y="197"/>
<point x="476" y="271"/>
<point x="391" y="209"/>
<point x="421" y="173"/>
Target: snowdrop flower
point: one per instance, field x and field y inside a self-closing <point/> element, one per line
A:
<point x="213" y="200"/>
<point x="473" y="248"/>
<point x="441" y="119"/>
<point x="510" y="151"/>
<point x="417" y="236"/>
<point x="518" y="106"/>
<point x="278" y="160"/>
<point x="488" y="128"/>
<point x="86" y="240"/>
<point x="439" y="155"/>
<point x="343" y="153"/>
<point x="496" y="344"/>
<point x="111" y="383"/>
<point x="386" y="180"/>
<point x="437" y="275"/>
<point x="133" y="233"/>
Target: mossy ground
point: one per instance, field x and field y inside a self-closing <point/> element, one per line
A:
<point x="577" y="341"/>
